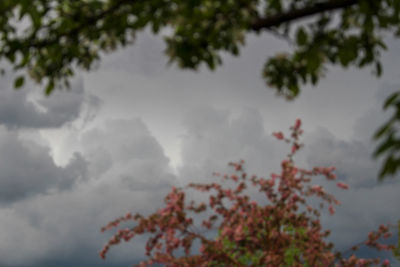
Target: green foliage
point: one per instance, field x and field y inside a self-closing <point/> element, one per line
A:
<point x="294" y="252"/>
<point x="246" y="257"/>
<point x="389" y="139"/>
<point x="50" y="38"/>
<point x="240" y="253"/>
<point x="19" y="82"/>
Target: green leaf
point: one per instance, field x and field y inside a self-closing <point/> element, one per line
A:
<point x="49" y="87"/>
<point x="384" y="129"/>
<point x="389" y="101"/>
<point x="301" y="37"/>
<point x="345" y="56"/>
<point x="19" y="82"/>
<point x="389" y="167"/>
<point x="386" y="145"/>
<point x="378" y="67"/>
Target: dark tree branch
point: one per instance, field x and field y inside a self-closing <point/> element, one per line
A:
<point x="262" y="23"/>
<point x="294" y="14"/>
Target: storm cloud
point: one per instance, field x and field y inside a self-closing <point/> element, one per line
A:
<point x="127" y="171"/>
<point x="151" y="127"/>
<point x="20" y="109"/>
<point x="27" y="169"/>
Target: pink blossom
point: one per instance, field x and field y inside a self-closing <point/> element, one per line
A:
<point x="238" y="232"/>
<point x="342" y="185"/>
<point x="278" y="135"/>
<point x="234" y="177"/>
<point x="331" y="210"/>
<point x="387" y="235"/>
<point x="297" y="124"/>
<point x="362" y="262"/>
<point x="246" y="219"/>
<point x="317" y="188"/>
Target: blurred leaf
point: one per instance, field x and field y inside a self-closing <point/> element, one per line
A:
<point x="301" y="37"/>
<point x="384" y="130"/>
<point x="386" y="145"/>
<point x="49" y="87"/>
<point x="19" y="82"/>
<point x="390" y="100"/>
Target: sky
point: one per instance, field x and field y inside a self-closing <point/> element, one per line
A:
<point x="123" y="134"/>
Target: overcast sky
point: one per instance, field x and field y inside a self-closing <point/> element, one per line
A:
<point x="126" y="132"/>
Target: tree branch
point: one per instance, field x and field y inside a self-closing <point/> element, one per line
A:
<point x="259" y="24"/>
<point x="294" y="14"/>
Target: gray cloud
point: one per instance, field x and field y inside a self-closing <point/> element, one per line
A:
<point x="367" y="203"/>
<point x="367" y="124"/>
<point x="18" y="109"/>
<point x="126" y="151"/>
<point x="352" y="158"/>
<point x="27" y="169"/>
<point x="128" y="171"/>
<point x="131" y="173"/>
<point x="215" y="137"/>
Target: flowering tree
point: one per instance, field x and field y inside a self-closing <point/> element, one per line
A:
<point x="284" y="231"/>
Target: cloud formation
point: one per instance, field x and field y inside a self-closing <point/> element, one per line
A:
<point x="52" y="216"/>
<point x="127" y="171"/>
<point x="18" y="109"/>
<point x="215" y="137"/>
<point x="27" y="169"/>
<point x="124" y="150"/>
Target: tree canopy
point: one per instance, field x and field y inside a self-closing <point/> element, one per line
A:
<point x="51" y="39"/>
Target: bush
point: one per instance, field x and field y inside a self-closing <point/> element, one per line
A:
<point x="284" y="231"/>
